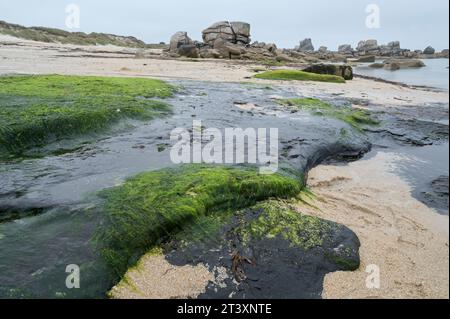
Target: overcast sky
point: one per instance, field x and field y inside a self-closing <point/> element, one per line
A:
<point x="416" y="23"/>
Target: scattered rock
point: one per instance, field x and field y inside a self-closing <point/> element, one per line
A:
<point x="377" y="65"/>
<point x="345" y="49"/>
<point x="444" y="54"/>
<point x="396" y="64"/>
<point x="323" y="49"/>
<point x="228" y="50"/>
<point x="438" y="196"/>
<point x="306" y="46"/>
<point x="429" y="50"/>
<point x="232" y="32"/>
<point x="345" y="71"/>
<point x="209" y="53"/>
<point x="366" y="59"/>
<point x="367" y="46"/>
<point x="179" y="39"/>
<point x="188" y="50"/>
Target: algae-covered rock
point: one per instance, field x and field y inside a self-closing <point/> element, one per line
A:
<point x="40" y="109"/>
<point x="266" y="251"/>
<point x="151" y="207"/>
<point x="344" y="71"/>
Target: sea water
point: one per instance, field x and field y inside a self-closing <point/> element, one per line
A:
<point x="435" y="74"/>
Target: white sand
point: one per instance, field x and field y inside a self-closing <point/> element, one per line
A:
<point x="156" y="278"/>
<point x="28" y="57"/>
<point x="407" y="240"/>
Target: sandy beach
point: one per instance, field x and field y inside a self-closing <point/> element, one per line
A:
<point x="407" y="240"/>
<point x="26" y="57"/>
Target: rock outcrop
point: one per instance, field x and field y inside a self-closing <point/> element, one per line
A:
<point x="367" y="46"/>
<point x="345" y="49"/>
<point x="306" y="46"/>
<point x="232" y="32"/>
<point x="345" y="71"/>
<point x="179" y="39"/>
<point x="189" y="50"/>
<point x="429" y="50"/>
<point x="397" y="64"/>
<point x="444" y="54"/>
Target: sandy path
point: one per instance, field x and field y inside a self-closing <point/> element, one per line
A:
<point x="404" y="238"/>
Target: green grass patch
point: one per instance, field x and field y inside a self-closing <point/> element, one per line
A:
<point x="36" y="110"/>
<point x="151" y="208"/>
<point x="296" y="75"/>
<point x="354" y="117"/>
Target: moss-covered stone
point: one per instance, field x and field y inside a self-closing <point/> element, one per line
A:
<point x="356" y="118"/>
<point x="151" y="208"/>
<point x="296" y="75"/>
<point x="299" y="230"/>
<point x="36" y="110"/>
<point x="267" y="250"/>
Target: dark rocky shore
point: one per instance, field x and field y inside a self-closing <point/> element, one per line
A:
<point x="54" y="190"/>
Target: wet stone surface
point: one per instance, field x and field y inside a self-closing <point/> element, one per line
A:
<point x="60" y="189"/>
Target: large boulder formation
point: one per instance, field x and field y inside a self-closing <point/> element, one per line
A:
<point x="429" y="50"/>
<point x="444" y="54"/>
<point x="227" y="49"/>
<point x="367" y="46"/>
<point x="179" y="39"/>
<point x="231" y="32"/>
<point x="306" y="46"/>
<point x="345" y="71"/>
<point x="345" y="49"/>
<point x="390" y="49"/>
<point x="189" y="50"/>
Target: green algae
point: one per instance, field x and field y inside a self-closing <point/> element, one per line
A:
<point x="296" y="75"/>
<point x="36" y="110"/>
<point x="301" y="231"/>
<point x="356" y="118"/>
<point x="151" y="208"/>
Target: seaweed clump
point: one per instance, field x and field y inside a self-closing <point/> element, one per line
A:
<point x="37" y="110"/>
<point x="296" y="75"/>
<point x="150" y="208"/>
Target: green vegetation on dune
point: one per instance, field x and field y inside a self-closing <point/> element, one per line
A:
<point x="296" y="75"/>
<point x="36" y="110"/>
<point x="354" y="117"/>
<point x="52" y="35"/>
<point x="152" y="207"/>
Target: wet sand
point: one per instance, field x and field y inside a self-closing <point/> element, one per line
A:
<point x="407" y="240"/>
<point x="155" y="278"/>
